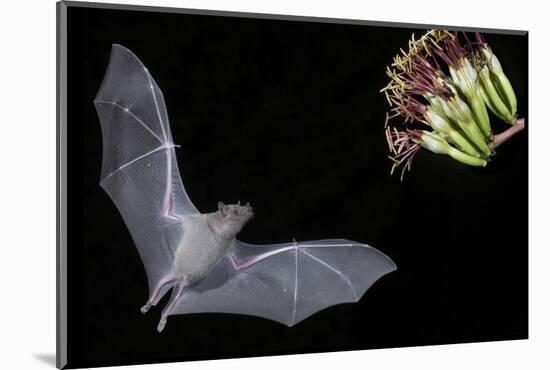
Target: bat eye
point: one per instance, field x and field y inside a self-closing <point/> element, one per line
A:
<point x="235" y="212"/>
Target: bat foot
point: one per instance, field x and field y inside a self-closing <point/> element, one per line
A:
<point x="145" y="308"/>
<point x="162" y="324"/>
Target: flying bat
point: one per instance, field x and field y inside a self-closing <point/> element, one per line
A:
<point x="196" y="255"/>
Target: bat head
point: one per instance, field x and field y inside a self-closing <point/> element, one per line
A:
<point x="235" y="216"/>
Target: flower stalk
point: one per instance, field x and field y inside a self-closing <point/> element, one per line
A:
<point x="499" y="139"/>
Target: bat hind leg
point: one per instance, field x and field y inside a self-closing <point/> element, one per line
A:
<point x="176" y="294"/>
<point x="145" y="307"/>
<point x="153" y="299"/>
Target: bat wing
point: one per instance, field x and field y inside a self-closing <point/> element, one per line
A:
<point x="286" y="282"/>
<point x="139" y="169"/>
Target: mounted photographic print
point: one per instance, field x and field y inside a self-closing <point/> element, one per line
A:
<point x="236" y="185"/>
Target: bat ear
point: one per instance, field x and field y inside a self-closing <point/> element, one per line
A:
<point x="222" y="208"/>
<point x="239" y="203"/>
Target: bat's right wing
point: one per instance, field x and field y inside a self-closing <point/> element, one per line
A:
<point x="139" y="169"/>
<point x="287" y="282"/>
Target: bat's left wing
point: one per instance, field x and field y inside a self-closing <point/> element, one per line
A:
<point x="286" y="282"/>
<point x="139" y="170"/>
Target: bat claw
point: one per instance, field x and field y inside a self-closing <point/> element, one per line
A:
<point x="145" y="308"/>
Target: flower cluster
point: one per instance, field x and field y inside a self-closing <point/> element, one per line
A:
<point x="444" y="83"/>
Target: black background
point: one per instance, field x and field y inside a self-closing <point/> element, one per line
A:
<point x="288" y="115"/>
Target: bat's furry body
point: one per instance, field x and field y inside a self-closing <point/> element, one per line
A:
<point x="211" y="234"/>
<point x="196" y="255"/>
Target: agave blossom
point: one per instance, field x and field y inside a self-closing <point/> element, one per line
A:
<point x="440" y="90"/>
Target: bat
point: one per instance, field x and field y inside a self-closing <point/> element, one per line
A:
<point x="196" y="255"/>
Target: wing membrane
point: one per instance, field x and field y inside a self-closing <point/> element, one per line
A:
<point x="287" y="282"/>
<point x="139" y="169"/>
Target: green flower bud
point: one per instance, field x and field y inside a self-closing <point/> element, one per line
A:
<point x="437" y="145"/>
<point x="460" y="113"/>
<point x="492" y="97"/>
<point x="479" y="110"/>
<point x="501" y="85"/>
<point x="442" y="125"/>
<point x="465" y="79"/>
